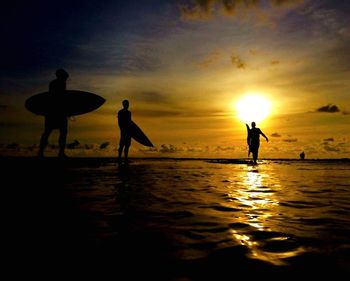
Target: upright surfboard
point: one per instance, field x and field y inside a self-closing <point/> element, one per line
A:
<point x="139" y="136"/>
<point x="248" y="139"/>
<point x="70" y="103"/>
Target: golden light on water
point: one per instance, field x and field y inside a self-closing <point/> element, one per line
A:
<point x="253" y="107"/>
<point x="256" y="195"/>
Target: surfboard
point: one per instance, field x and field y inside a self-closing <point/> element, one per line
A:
<point x="248" y="139"/>
<point x="138" y="135"/>
<point x="70" y="103"/>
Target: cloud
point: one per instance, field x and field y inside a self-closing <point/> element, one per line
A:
<point x="13" y="146"/>
<point x="75" y="144"/>
<point x="210" y="59"/>
<point x="329" y="108"/>
<point x="331" y="148"/>
<point x="224" y="148"/>
<point x="275" y="62"/>
<point x="104" y="145"/>
<point x="290" y="140"/>
<point x="237" y="61"/>
<point x="329" y="139"/>
<point x="276" y="135"/>
<point x="339" y="56"/>
<point x="157" y="113"/>
<point x="204" y="9"/>
<point x="153" y="97"/>
<point x="169" y="148"/>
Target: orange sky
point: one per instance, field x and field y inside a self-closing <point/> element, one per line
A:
<point x="183" y="71"/>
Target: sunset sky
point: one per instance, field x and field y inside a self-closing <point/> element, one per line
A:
<point x="184" y="66"/>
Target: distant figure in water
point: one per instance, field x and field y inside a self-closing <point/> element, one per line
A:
<point x="253" y="140"/>
<point x="56" y="120"/>
<point x="124" y="121"/>
<point x="302" y="155"/>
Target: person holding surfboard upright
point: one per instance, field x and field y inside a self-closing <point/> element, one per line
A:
<point x="124" y="122"/>
<point x="254" y="140"/>
<point x="56" y="120"/>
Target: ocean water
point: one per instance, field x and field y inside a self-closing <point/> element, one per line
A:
<point x="197" y="219"/>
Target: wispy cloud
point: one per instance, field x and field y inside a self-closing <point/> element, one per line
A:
<point x="210" y="59"/>
<point x="154" y="97"/>
<point x="204" y="9"/>
<point x="290" y="140"/>
<point x="157" y="113"/>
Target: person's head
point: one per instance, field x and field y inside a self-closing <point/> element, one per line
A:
<point x="62" y="74"/>
<point x="253" y="124"/>
<point x="126" y="104"/>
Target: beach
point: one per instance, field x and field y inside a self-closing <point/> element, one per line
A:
<point x="178" y="219"/>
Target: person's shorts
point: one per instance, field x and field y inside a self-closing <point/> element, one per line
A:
<point x="125" y="139"/>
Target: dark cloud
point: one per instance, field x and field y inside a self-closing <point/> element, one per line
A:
<point x="276" y="135"/>
<point x="290" y="140"/>
<point x="329" y="139"/>
<point x="204" y="9"/>
<point x="12" y="146"/>
<point x="237" y="61"/>
<point x="90" y="146"/>
<point x="104" y="145"/>
<point x="328" y="108"/>
<point x="285" y="2"/>
<point x="75" y="144"/>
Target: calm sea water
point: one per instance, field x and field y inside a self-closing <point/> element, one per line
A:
<point x="199" y="215"/>
<point x="276" y="212"/>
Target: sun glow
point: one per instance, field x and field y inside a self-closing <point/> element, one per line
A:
<point x="253" y="108"/>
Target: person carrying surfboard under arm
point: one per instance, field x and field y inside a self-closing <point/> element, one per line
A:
<point x="254" y="140"/>
<point x="56" y="120"/>
<point x="124" y="122"/>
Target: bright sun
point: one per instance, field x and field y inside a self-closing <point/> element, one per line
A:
<point x="253" y="108"/>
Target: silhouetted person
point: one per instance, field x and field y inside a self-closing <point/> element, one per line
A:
<point x="302" y="155"/>
<point x="56" y="120"/>
<point x="254" y="140"/>
<point x="124" y="122"/>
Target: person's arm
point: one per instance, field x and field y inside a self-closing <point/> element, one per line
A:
<point x="266" y="138"/>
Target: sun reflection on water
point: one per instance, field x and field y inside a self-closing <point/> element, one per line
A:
<point x="256" y="196"/>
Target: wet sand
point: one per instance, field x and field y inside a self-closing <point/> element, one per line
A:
<point x="171" y="219"/>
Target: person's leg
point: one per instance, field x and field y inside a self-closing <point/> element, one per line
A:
<point x="44" y="139"/>
<point x="126" y="149"/>
<point x="255" y="156"/>
<point x="126" y="152"/>
<point x="120" y="151"/>
<point x="121" y="147"/>
<point x="63" y="137"/>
